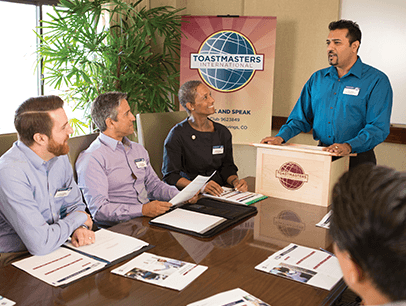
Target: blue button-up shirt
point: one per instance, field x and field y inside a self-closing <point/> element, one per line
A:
<point x="116" y="179"/>
<point x="33" y="214"/>
<point x="353" y="109"/>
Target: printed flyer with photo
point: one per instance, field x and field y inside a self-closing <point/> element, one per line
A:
<point x="305" y="265"/>
<point x="161" y="271"/>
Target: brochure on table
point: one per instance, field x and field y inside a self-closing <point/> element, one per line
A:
<point x="60" y="267"/>
<point x="68" y="264"/>
<point x="305" y="265"/>
<point x="6" y="302"/>
<point x="231" y="297"/>
<point x="325" y="221"/>
<point x="234" y="196"/>
<point x="161" y="271"/>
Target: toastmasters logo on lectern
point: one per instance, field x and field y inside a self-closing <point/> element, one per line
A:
<point x="227" y="61"/>
<point x="292" y="176"/>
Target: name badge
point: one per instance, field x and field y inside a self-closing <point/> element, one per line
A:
<point x="62" y="192"/>
<point x="140" y="163"/>
<point x="352" y="91"/>
<point x="218" y="150"/>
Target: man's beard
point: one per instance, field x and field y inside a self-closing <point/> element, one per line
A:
<point x="56" y="148"/>
<point x="334" y="59"/>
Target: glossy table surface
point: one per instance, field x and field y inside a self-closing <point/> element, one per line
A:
<point x="231" y="257"/>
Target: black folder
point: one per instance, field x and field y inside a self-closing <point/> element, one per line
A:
<point x="234" y="213"/>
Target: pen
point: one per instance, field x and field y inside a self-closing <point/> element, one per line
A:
<point x="72" y="275"/>
<point x="321" y="249"/>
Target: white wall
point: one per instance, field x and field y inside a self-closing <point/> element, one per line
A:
<point x="383" y="43"/>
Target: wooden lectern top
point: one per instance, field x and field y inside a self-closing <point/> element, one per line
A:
<point x="298" y="148"/>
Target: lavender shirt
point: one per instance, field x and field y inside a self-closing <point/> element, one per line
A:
<point x="116" y="179"/>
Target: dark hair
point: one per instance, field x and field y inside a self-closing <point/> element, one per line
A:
<point x="354" y="32"/>
<point x="187" y="93"/>
<point x="105" y="106"/>
<point x="32" y="117"/>
<point x="369" y="222"/>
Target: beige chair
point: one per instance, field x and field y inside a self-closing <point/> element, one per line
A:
<point x="76" y="145"/>
<point x="152" y="130"/>
<point x="6" y="142"/>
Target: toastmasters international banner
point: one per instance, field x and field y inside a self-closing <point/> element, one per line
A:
<point x="234" y="57"/>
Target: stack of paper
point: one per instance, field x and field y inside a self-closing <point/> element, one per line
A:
<point x="305" y="265"/>
<point x="189" y="220"/>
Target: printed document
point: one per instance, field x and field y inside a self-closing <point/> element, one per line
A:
<point x="236" y="297"/>
<point x="59" y="267"/>
<point x="305" y="265"/>
<point x="161" y="271"/>
<point x="190" y="190"/>
<point x="234" y="196"/>
<point x="325" y="222"/>
<point x="110" y="246"/>
<point x="6" y="302"/>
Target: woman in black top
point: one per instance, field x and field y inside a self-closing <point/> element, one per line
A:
<point x="199" y="146"/>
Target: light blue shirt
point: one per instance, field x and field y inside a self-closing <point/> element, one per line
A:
<point x="32" y="216"/>
<point x="117" y="179"/>
<point x="355" y="108"/>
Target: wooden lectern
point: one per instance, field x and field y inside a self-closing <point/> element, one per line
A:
<point x="298" y="180"/>
<point x="298" y="173"/>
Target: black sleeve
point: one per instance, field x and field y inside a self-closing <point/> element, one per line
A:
<point x="172" y="158"/>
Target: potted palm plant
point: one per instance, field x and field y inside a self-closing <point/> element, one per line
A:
<point x="90" y="47"/>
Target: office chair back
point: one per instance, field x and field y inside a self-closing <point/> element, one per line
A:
<point x="6" y="142"/>
<point x="76" y="145"/>
<point x="152" y="130"/>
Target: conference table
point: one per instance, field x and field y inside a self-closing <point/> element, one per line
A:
<point x="230" y="256"/>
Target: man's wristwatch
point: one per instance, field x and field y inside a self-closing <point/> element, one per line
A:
<point x="85" y="226"/>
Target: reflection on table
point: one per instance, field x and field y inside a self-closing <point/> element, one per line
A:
<point x="281" y="222"/>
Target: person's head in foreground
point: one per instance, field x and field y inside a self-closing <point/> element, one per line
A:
<point x="368" y="227"/>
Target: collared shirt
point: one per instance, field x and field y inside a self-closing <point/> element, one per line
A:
<point x="35" y="212"/>
<point x="189" y="153"/>
<point x="116" y="179"/>
<point x="355" y="108"/>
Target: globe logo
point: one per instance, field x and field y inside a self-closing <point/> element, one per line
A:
<point x="226" y="61"/>
<point x="289" y="223"/>
<point x="291" y="176"/>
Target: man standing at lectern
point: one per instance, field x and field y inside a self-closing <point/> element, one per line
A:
<point x="348" y="105"/>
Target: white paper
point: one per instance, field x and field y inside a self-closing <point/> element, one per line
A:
<point x="305" y="265"/>
<point x="325" y="222"/>
<point x="190" y="190"/>
<point x="234" y="196"/>
<point x="59" y="267"/>
<point x="110" y="245"/>
<point x="6" y="302"/>
<point x="161" y="271"/>
<point x="189" y="220"/>
<point x="231" y="297"/>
